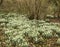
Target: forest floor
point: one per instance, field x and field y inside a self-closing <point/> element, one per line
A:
<point x="18" y="31"/>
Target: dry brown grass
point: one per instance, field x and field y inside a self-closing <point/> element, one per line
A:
<point x="37" y="9"/>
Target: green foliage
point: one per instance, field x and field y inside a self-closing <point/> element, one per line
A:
<point x="21" y="31"/>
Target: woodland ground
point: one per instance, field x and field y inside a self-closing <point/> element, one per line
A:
<point x="18" y="31"/>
